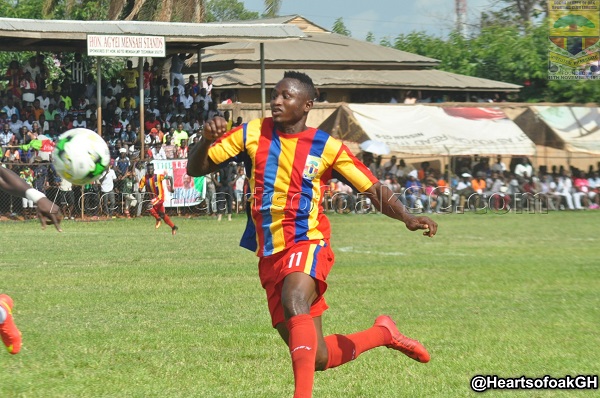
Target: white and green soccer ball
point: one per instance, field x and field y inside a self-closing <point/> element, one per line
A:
<point x="80" y="156"/>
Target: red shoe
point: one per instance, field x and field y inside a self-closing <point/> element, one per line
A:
<point x="11" y="337"/>
<point x="409" y="347"/>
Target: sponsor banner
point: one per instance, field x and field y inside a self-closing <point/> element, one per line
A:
<point x="573" y="43"/>
<point x="187" y="190"/>
<point x="126" y="46"/>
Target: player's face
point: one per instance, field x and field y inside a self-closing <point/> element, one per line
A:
<point x="150" y="170"/>
<point x="289" y="102"/>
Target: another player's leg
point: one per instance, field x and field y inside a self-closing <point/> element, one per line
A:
<point x="11" y="336"/>
<point x="166" y="218"/>
<point x="154" y="214"/>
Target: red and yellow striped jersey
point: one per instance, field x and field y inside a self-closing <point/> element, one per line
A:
<point x="288" y="176"/>
<point x="154" y="185"/>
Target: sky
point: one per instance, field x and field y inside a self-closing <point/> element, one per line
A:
<point x="385" y="18"/>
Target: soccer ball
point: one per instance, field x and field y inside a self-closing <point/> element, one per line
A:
<point x="80" y="156"/>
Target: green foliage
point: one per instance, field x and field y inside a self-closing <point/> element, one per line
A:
<point x="340" y="28"/>
<point x="228" y="10"/>
<point x="27" y="9"/>
<point x="370" y="37"/>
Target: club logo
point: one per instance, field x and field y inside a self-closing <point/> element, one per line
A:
<point x="311" y="168"/>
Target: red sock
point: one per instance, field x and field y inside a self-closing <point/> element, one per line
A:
<point x="168" y="221"/>
<point x="154" y="214"/>
<point x="347" y="348"/>
<point x="303" y="349"/>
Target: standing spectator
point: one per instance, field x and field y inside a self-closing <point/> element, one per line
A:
<point x="177" y="63"/>
<point x="130" y="76"/>
<point x="14" y="74"/>
<point x="107" y="188"/>
<point x="154" y="186"/>
<point x="148" y="79"/>
<point x="179" y="134"/>
<point x="79" y="72"/>
<point x="26" y="174"/>
<point x="66" y="198"/>
<point x="128" y="189"/>
<point x="208" y="85"/>
<point x="193" y="86"/>
<point x="225" y="177"/>
<point x="121" y="167"/>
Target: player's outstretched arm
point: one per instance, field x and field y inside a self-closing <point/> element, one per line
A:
<point x="199" y="164"/>
<point x="390" y="205"/>
<point x="11" y="183"/>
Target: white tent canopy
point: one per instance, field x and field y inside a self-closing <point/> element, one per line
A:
<point x="578" y="128"/>
<point x="431" y="130"/>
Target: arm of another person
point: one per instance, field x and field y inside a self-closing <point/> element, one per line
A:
<point x="11" y="183"/>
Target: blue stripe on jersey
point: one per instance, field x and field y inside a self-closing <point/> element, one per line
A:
<point x="313" y="268"/>
<point x="271" y="168"/>
<point x="302" y="213"/>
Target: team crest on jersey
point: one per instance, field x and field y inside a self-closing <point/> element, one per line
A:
<point x="311" y="168"/>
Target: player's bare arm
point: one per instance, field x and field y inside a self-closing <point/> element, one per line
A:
<point x="390" y="205"/>
<point x="199" y="164"/>
<point x="12" y="184"/>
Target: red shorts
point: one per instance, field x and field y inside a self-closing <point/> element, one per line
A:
<point x="314" y="258"/>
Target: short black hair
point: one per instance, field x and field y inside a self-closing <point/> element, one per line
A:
<point x="304" y="79"/>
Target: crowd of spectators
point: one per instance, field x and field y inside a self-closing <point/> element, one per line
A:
<point x="33" y="106"/>
<point x="474" y="184"/>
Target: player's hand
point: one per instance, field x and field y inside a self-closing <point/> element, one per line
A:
<point x="47" y="210"/>
<point x="426" y="223"/>
<point x="214" y="128"/>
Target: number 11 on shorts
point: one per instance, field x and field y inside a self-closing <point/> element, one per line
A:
<point x="297" y="256"/>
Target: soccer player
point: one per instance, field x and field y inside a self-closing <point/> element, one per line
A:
<point x="12" y="184"/>
<point x="290" y="165"/>
<point x="154" y="185"/>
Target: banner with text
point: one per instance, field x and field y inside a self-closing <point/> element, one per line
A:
<point x="126" y="46"/>
<point x="187" y="190"/>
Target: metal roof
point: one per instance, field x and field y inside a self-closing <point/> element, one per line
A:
<point x="52" y="35"/>
<point x="427" y="79"/>
<point x="322" y="48"/>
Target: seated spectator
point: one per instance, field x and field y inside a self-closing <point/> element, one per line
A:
<point x="169" y="149"/>
<point x="416" y="198"/>
<point x="462" y="191"/>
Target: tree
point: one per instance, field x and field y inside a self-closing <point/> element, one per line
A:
<point x="370" y="37"/>
<point x="128" y="10"/>
<point x="521" y="12"/>
<point x="272" y="8"/>
<point x="228" y="10"/>
<point x="340" y="28"/>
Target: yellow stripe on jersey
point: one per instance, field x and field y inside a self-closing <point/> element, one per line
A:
<point x="308" y="263"/>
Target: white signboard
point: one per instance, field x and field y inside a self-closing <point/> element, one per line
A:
<point x="126" y="46"/>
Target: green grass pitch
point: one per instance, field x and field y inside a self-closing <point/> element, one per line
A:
<point x="119" y="309"/>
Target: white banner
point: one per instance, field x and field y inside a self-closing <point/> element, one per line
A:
<point x="428" y="130"/>
<point x="126" y="46"/>
<point x="577" y="126"/>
